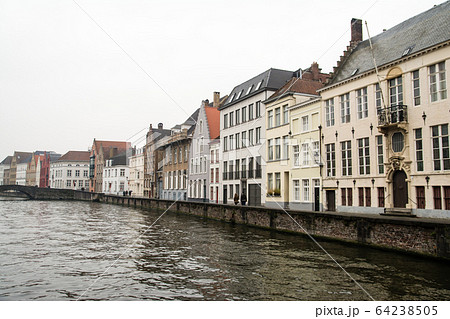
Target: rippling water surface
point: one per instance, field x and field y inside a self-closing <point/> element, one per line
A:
<point x="57" y="250"/>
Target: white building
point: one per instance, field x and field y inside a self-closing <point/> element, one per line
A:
<point x="115" y="175"/>
<point x="4" y="165"/>
<point x="242" y="136"/>
<point x="70" y="171"/>
<point x="21" y="171"/>
<point x="136" y="172"/>
<point x="214" y="174"/>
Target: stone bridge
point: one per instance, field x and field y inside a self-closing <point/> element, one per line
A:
<point x="39" y="193"/>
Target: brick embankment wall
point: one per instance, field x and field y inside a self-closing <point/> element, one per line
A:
<point x="430" y="237"/>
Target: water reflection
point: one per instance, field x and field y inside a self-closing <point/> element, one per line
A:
<point x="55" y="250"/>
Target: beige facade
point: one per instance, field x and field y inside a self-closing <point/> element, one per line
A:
<point x="386" y="138"/>
<point x="304" y="162"/>
<point x="136" y="171"/>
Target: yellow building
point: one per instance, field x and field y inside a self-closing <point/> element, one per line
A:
<point x="385" y="129"/>
<point x="282" y="138"/>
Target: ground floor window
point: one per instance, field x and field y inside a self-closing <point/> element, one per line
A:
<point x="296" y="190"/>
<point x="447" y="197"/>
<point x="347" y="196"/>
<point x="420" y="196"/>
<point x="437" y="197"/>
<point x="381" y="197"/>
<point x="364" y="196"/>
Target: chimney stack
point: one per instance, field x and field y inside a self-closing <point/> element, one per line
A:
<point x="356" y="28"/>
<point x="160" y="126"/>
<point x="216" y="99"/>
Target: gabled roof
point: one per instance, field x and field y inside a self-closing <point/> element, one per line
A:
<point x="192" y="120"/>
<point x="213" y="117"/>
<point x="22" y="157"/>
<point x="75" y="156"/>
<point x="7" y="160"/>
<point x="418" y="33"/>
<point x="108" y="145"/>
<point x="296" y="85"/>
<point x="270" y="79"/>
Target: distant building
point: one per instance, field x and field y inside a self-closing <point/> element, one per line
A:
<point x="70" y="171"/>
<point x="31" y="179"/>
<point x="175" y="161"/>
<point x="136" y="172"/>
<point x="242" y="136"/>
<point x="44" y="168"/>
<point x="215" y="178"/>
<point x="100" y="152"/>
<point x="18" y="169"/>
<point x="5" y="166"/>
<point x="116" y="174"/>
<point x="153" y="160"/>
<point x="386" y="133"/>
<point x="206" y="130"/>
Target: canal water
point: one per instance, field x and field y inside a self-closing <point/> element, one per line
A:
<point x="58" y="250"/>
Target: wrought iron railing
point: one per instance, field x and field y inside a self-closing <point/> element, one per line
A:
<point x="392" y="114"/>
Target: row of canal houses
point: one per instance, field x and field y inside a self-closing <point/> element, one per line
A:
<point x="370" y="137"/>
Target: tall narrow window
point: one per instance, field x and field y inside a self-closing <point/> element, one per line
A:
<point x="277" y="148"/>
<point x="278" y="182"/>
<point x="270" y="182"/>
<point x="380" y="196"/>
<point x="258" y="135"/>
<point x="285" y="114"/>
<point x="437" y="197"/>
<point x="244" y="114"/>
<point x="296" y="152"/>
<point x="420" y="196"/>
<point x="244" y="139"/>
<point x="238" y="140"/>
<point x="231" y="140"/>
<point x="250" y="112"/>
<point x="343" y="196"/>
<point x="306" y="190"/>
<point x="349" y="196"/>
<point x="270" y="149"/>
<point x="225" y="144"/>
<point x="441" y="151"/>
<point x="378" y="98"/>
<point x="380" y="151"/>
<point x="305" y="123"/>
<point x="316" y="155"/>
<point x="231" y="115"/>
<point x="258" y="109"/>
<point x="368" y="197"/>
<point x="331" y="159"/>
<point x="250" y="137"/>
<point x="345" y="108"/>
<point x="395" y="92"/>
<point x="296" y="183"/>
<point x="346" y="152"/>
<point x="447" y="197"/>
<point x="270" y="119"/>
<point x="419" y="149"/>
<point x="305" y="154"/>
<point x="361" y="196"/>
<point x="364" y="156"/>
<point x="225" y="121"/>
<point x="285" y="147"/>
<point x="438" y="86"/>
<point x="329" y="112"/>
<point x="277" y="116"/>
<point x="416" y="87"/>
<point x="361" y="100"/>
<point x="238" y="117"/>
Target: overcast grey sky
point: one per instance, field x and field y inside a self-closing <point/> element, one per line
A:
<point x="64" y="82"/>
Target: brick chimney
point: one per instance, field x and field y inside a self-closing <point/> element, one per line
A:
<point x="160" y="126"/>
<point x="315" y="71"/>
<point x="356" y="28"/>
<point x="216" y="99"/>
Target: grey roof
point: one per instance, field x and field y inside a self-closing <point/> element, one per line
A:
<point x="192" y="120"/>
<point x="271" y="79"/>
<point x="418" y="33"/>
<point x="7" y="160"/>
<point x="120" y="159"/>
<point x="53" y="157"/>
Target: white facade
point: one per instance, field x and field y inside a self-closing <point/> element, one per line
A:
<point x="69" y="175"/>
<point x="115" y="178"/>
<point x="21" y="174"/>
<point x="136" y="173"/>
<point x="214" y="175"/>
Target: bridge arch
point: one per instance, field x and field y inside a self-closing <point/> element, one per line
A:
<point x="29" y="191"/>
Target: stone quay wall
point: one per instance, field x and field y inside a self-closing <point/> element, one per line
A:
<point x="428" y="237"/>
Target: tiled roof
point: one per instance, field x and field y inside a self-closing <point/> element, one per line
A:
<point x="213" y="116"/>
<point x="7" y="160"/>
<point x="423" y="31"/>
<point x="22" y="157"/>
<point x="108" y="145"/>
<point x="75" y="156"/>
<point x="296" y="85"/>
<point x="270" y="79"/>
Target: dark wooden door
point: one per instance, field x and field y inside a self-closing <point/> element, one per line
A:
<point x="224" y="194"/>
<point x="331" y="200"/>
<point x="254" y="195"/>
<point x="316" y="199"/>
<point x="400" y="189"/>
